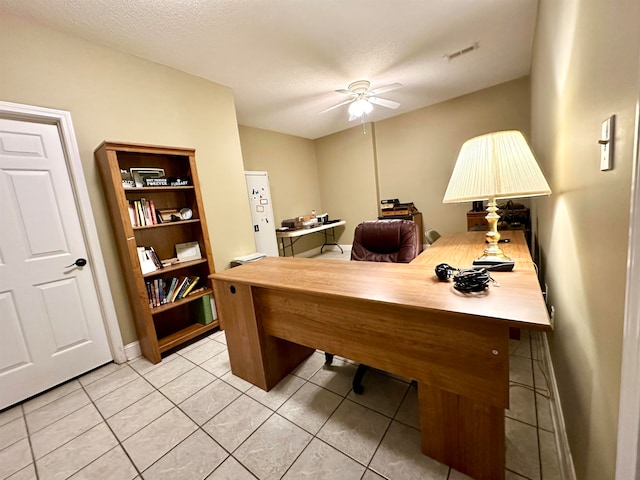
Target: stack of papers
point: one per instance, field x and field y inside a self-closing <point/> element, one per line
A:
<point x="249" y="258"/>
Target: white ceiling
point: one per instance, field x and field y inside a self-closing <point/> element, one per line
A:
<point x="284" y="58"/>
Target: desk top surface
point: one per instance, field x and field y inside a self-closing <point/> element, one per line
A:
<point x="518" y="300"/>
<point x="304" y="231"/>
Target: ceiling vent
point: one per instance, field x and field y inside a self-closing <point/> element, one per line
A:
<point x="470" y="48"/>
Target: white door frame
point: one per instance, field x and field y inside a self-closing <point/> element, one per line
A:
<point x="62" y="120"/>
<point x="628" y="457"/>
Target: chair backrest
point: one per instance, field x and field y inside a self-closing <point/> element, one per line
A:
<point x="393" y="241"/>
<point x="431" y="235"/>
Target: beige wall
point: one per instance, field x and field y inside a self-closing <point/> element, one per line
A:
<point x="416" y="152"/>
<point x="112" y="96"/>
<point x="347" y="176"/>
<point x="585" y="68"/>
<point x="293" y="175"/>
<point x="409" y="157"/>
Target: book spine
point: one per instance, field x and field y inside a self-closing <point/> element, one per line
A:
<point x="202" y="310"/>
<point x="147" y="212"/>
<point x="183" y="287"/>
<point x="192" y="283"/>
<point x="172" y="287"/>
<point x="132" y="215"/>
<point x="139" y="213"/>
<point x="149" y="296"/>
<point x="154" y="220"/>
<point x="174" y="297"/>
<point x="154" y="257"/>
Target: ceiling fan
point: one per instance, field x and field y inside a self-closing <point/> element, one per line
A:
<point x="362" y="98"/>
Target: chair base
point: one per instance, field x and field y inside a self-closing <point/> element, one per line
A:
<point x="357" y="379"/>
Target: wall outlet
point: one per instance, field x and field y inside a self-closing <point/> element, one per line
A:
<point x="552" y="315"/>
<point x="545" y="293"/>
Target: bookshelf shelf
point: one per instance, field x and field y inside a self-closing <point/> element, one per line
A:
<point x="155" y="189"/>
<point x="178" y="338"/>
<point x="175" y="267"/>
<point x="168" y="224"/>
<point x="159" y="328"/>
<point x="182" y="301"/>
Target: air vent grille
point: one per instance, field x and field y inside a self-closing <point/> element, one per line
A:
<point x="470" y="48"/>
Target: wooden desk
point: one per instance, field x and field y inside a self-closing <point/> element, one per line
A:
<point x="398" y="318"/>
<point x="294" y="235"/>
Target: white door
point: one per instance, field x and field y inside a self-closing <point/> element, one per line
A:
<point x="264" y="227"/>
<point x="51" y="325"/>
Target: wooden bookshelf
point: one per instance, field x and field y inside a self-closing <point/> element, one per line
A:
<point x="166" y="326"/>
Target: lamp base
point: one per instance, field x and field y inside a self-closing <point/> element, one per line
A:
<point x="495" y="263"/>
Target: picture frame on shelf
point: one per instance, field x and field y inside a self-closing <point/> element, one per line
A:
<point x="188" y="251"/>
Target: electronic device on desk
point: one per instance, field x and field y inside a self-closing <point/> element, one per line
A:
<point x="305" y="221"/>
<point x="392" y="207"/>
<point x="289" y="223"/>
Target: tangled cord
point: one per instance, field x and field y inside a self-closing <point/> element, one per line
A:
<point x="472" y="280"/>
<point x="465" y="280"/>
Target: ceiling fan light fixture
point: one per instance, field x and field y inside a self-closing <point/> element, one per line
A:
<point x="360" y="107"/>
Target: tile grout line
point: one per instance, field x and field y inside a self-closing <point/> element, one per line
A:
<point x="33" y="457"/>
<point x="272" y="412"/>
<point x="139" y="474"/>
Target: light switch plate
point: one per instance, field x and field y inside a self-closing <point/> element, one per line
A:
<point x="606" y="144"/>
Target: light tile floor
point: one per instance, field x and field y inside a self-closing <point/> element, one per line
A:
<point x="189" y="417"/>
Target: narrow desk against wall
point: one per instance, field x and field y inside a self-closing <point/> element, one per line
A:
<point x="294" y="235"/>
<point x="398" y="318"/>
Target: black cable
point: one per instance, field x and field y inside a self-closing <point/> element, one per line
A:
<point x="465" y="280"/>
<point x="472" y="280"/>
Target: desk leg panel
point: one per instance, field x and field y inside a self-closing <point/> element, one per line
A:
<point x="254" y="356"/>
<point x="462" y="433"/>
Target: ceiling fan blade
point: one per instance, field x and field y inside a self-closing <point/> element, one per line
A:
<point x="335" y="106"/>
<point x="346" y="92"/>
<point x="385" y="89"/>
<point x="384" y="103"/>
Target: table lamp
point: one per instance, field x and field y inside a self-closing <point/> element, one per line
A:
<point x="495" y="165"/>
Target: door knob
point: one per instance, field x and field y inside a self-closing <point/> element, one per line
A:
<point x="81" y="262"/>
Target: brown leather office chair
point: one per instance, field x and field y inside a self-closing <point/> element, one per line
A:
<point x="394" y="241"/>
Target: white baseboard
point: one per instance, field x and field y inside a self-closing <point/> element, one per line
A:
<point x="132" y="350"/>
<point x="327" y="248"/>
<point x="565" y="459"/>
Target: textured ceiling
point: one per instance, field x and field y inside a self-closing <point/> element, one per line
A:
<point x="284" y="58"/>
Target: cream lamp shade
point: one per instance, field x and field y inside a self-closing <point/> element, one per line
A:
<point x="492" y="166"/>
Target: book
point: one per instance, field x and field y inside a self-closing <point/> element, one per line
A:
<point x="147" y="212"/>
<point x="149" y="296"/>
<point x="147" y="265"/>
<point x="201" y="310"/>
<point x="183" y="287"/>
<point x="172" y="287"/>
<point x="151" y="252"/>
<point x="179" y="287"/>
<point x="141" y="218"/>
<point x="192" y="283"/>
<point x="132" y="215"/>
<point x="154" y="220"/>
